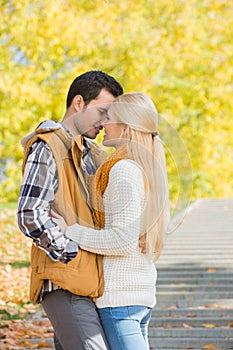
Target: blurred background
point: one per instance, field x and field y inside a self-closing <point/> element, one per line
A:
<point x="178" y="52"/>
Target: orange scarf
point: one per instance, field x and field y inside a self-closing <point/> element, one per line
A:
<point x="99" y="183"/>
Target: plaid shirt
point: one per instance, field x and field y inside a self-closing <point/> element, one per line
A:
<point x="40" y="183"/>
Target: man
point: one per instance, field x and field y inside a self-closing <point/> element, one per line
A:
<point x="66" y="279"/>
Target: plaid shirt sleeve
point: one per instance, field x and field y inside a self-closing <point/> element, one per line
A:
<point x="37" y="192"/>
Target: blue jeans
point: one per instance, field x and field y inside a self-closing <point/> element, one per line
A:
<point x="126" y="327"/>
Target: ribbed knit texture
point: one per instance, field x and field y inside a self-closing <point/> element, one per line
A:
<point x="130" y="276"/>
<point x="98" y="185"/>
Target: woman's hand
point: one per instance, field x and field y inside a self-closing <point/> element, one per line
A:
<point x="142" y="244"/>
<point x="58" y="219"/>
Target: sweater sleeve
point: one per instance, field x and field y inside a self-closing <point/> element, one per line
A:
<point x="123" y="205"/>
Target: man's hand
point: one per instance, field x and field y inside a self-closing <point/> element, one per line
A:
<point x="142" y="243"/>
<point x="58" y="219"/>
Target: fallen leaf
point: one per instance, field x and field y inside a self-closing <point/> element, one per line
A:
<point x="8" y="268"/>
<point x="213" y="306"/>
<point x="43" y="344"/>
<point x="191" y="315"/>
<point x="209" y="346"/>
<point x="208" y="325"/>
<point x="185" y="325"/>
<point x="211" y="270"/>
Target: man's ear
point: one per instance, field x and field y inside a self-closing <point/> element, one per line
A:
<point x="78" y="103"/>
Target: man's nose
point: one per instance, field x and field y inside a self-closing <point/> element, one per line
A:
<point x="98" y="124"/>
<point x="104" y="121"/>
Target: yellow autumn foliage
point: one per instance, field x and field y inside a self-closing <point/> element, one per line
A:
<point x="179" y="53"/>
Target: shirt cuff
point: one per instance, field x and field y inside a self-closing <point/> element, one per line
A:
<point x="69" y="253"/>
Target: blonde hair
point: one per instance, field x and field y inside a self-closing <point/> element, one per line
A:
<point x="138" y="112"/>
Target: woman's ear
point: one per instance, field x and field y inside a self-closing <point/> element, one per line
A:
<point x="125" y="132"/>
<point x="78" y="103"/>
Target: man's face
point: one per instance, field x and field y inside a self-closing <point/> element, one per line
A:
<point x="89" y="120"/>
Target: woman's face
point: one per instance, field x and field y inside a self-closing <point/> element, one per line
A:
<point x="113" y="131"/>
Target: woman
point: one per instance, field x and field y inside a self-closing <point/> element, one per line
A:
<point x="130" y="199"/>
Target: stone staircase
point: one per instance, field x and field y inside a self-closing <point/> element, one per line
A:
<point x="194" y="289"/>
<point x="195" y="281"/>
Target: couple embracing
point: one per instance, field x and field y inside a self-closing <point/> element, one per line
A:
<point x="96" y="222"/>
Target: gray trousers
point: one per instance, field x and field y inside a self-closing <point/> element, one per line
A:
<point x="75" y="321"/>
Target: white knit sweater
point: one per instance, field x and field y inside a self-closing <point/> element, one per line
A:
<point x="130" y="276"/>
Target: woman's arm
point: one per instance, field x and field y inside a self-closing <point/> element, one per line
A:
<point x="125" y="202"/>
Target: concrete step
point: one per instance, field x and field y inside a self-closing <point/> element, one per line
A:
<point x="193" y="312"/>
<point x="200" y="232"/>
<point x="184" y="287"/>
<point x="221" y="264"/>
<point x="226" y="274"/>
<point x="190" y="343"/>
<point x="215" y="249"/>
<point x="225" y="333"/>
<point x="188" y="303"/>
<point x="189" y="348"/>
<point x="194" y="295"/>
<point x="194" y="280"/>
<point x="192" y="268"/>
<point x="185" y="237"/>
<point x="206" y="259"/>
<point x="191" y="321"/>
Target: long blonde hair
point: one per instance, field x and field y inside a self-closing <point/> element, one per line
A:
<point x="138" y="112"/>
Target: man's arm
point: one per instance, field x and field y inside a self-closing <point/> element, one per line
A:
<point x="40" y="183"/>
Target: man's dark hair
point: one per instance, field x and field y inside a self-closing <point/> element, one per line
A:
<point x="89" y="85"/>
